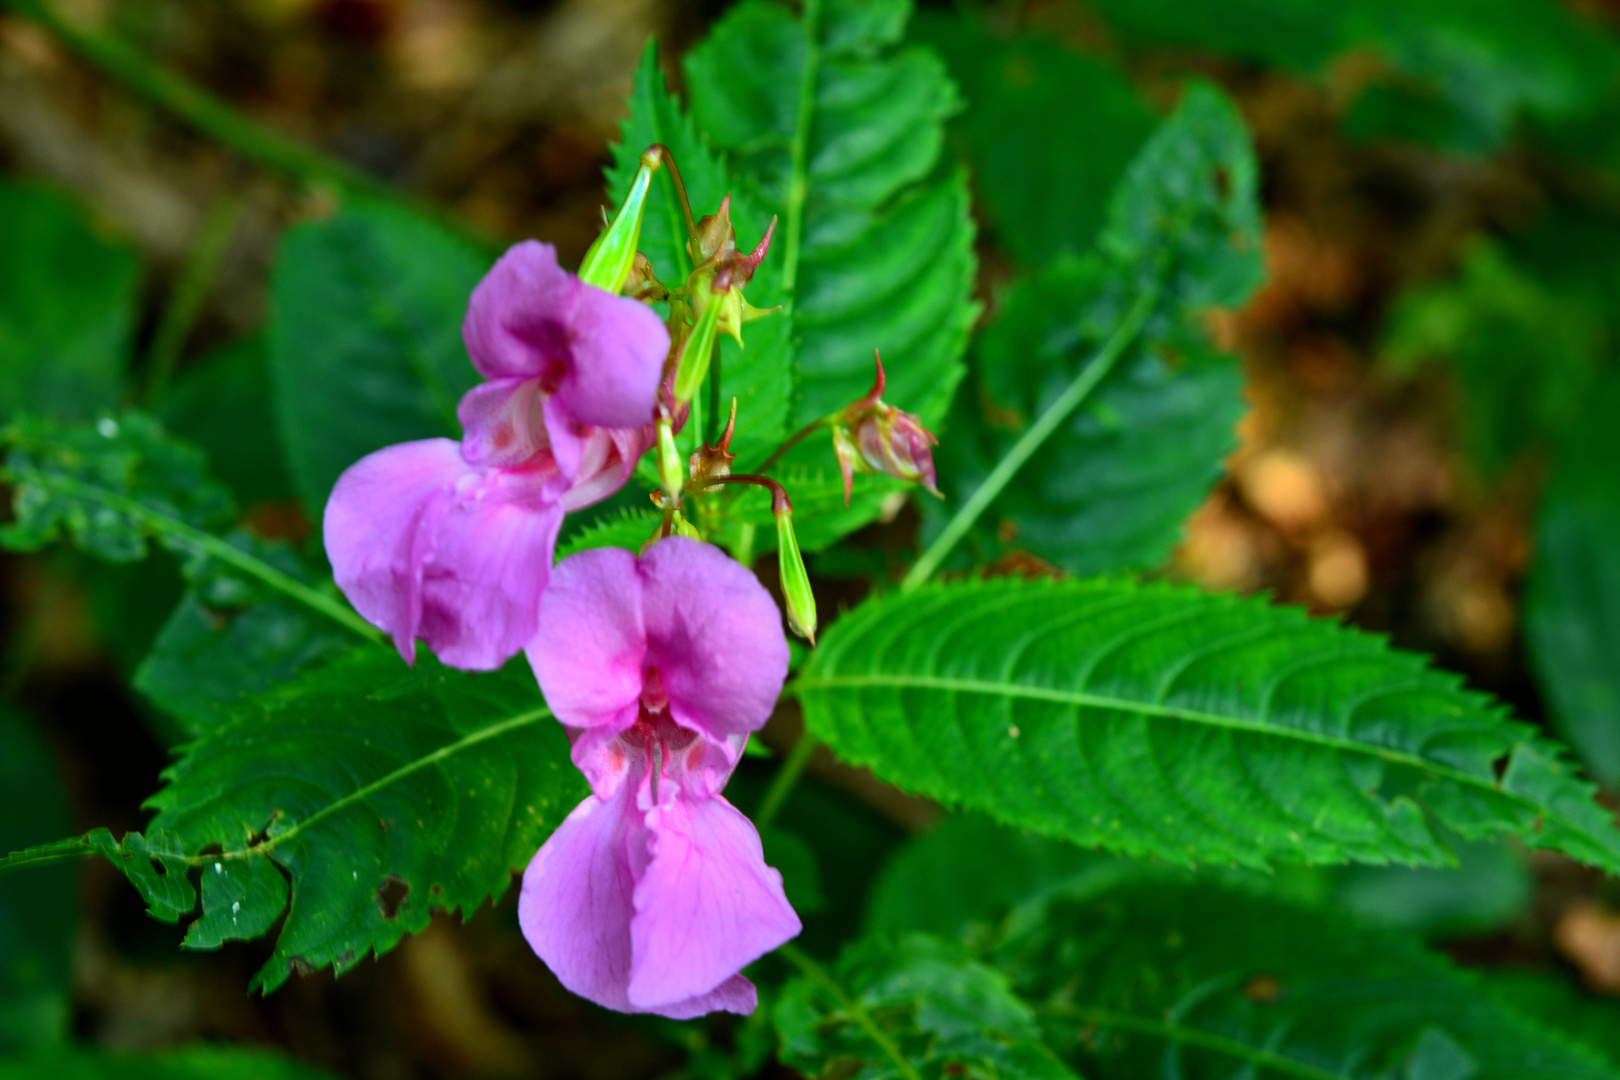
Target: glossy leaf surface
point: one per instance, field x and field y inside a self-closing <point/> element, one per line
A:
<point x="1164" y="722"/>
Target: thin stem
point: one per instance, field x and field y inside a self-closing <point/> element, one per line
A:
<point x="780" y="503"/>
<point x="857" y="1012"/>
<point x="680" y="189"/>
<point x="198" y="107"/>
<point x="1164" y="1029"/>
<point x="786" y="777"/>
<point x="216" y="548"/>
<point x="799" y="152"/>
<point x="190" y="291"/>
<point x="1060" y="410"/>
<point x="794" y="440"/>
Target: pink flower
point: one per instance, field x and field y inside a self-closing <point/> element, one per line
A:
<point x="561" y="357"/>
<point x="654" y="893"/>
<point x="454" y="545"/>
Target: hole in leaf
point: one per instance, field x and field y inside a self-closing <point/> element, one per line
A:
<point x="391" y="896"/>
<point x="158" y="868"/>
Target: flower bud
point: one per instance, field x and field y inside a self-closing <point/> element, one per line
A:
<point x="670" y="473"/>
<point x="714" y="460"/>
<point x="874" y="437"/>
<point x="642" y="283"/>
<point x="801" y="602"/>
<point x="896" y="444"/>
<point x="698" y="349"/>
<point x="608" y="262"/>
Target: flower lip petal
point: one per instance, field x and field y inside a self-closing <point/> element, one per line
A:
<point x="577" y="906"/>
<point x="705" y="906"/>
<point x="372" y="530"/>
<point x="426" y="546"/>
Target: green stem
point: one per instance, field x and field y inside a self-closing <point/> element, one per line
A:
<point x="794" y="440"/>
<point x="216" y="548"/>
<point x="1164" y="1029"/>
<point x="1059" y="411"/>
<point x="190" y="291"/>
<point x="199" y="108"/>
<point x="819" y="975"/>
<point x="786" y="777"/>
<point x="799" y="151"/>
<point x="712" y="428"/>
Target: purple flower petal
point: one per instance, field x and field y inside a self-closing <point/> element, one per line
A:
<point x="715" y="636"/>
<point x="504" y="422"/>
<point x="427" y="547"/>
<point x="589" y="648"/>
<point x="619" y="350"/>
<point x="577" y="905"/>
<point x="490" y="561"/>
<point x="600" y="356"/>
<point x="519" y="316"/>
<point x="705" y="906"/>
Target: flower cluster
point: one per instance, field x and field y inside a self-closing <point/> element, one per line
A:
<point x="453" y="543"/>
<point x="654" y="893"/>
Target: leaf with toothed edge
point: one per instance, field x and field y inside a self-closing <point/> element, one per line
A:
<point x="1164" y="722"/>
<point x="841" y="126"/>
<point x="356" y="800"/>
<point x="758" y="374"/>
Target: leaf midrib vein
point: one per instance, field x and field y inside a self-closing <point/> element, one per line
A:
<point x="365" y="791"/>
<point x="1172" y="712"/>
<point x="1164" y="1029"/>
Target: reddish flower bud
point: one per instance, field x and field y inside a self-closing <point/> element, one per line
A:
<point x="896" y="444"/>
<point x="873" y="437"/>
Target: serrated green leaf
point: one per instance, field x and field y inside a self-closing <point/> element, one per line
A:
<point x="113" y="486"/>
<point x="382" y="794"/>
<point x="99" y="484"/>
<point x="839" y="129"/>
<point x="930" y="1003"/>
<point x="1160" y="721"/>
<point x="1049" y="132"/>
<point x="1190" y="203"/>
<point x="39" y="909"/>
<point x="196" y="1062"/>
<point x="1112" y="485"/>
<point x="1572" y="606"/>
<point x="1198" y="980"/>
<point x="365" y="338"/>
<point x="759" y="376"/>
<point x="629" y="529"/>
<point x="209" y="659"/>
<point x="67" y="308"/>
